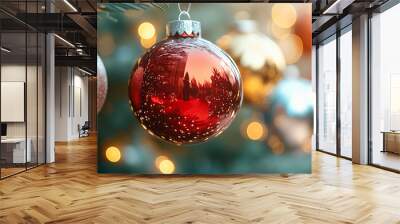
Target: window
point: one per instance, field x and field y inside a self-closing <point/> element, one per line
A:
<point x="327" y="96"/>
<point x="385" y="89"/>
<point x="346" y="93"/>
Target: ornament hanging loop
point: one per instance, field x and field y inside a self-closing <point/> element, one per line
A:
<point x="184" y="26"/>
<point x="184" y="12"/>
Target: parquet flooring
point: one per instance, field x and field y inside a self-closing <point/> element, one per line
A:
<point x="70" y="191"/>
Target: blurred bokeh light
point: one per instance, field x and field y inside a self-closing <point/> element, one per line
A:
<point x="146" y="30"/>
<point x="166" y="166"/>
<point x="284" y="15"/>
<point x="255" y="130"/>
<point x="292" y="46"/>
<point x="113" y="154"/>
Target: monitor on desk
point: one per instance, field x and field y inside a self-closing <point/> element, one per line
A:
<point x="3" y="130"/>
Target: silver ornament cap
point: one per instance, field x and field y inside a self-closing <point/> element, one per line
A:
<point x="181" y="27"/>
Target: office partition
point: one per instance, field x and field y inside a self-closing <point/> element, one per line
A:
<point x="22" y="77"/>
<point x="345" y="83"/>
<point x="334" y="93"/>
<point x="327" y="95"/>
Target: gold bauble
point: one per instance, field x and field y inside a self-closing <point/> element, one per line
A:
<point x="260" y="60"/>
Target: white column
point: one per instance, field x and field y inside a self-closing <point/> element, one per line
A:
<point x="360" y="90"/>
<point x="50" y="92"/>
<point x="50" y="99"/>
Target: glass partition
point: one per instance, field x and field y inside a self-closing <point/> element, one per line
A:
<point x="22" y="101"/>
<point x="41" y="91"/>
<point x="327" y="96"/>
<point x="31" y="98"/>
<point x="13" y="105"/>
<point x="346" y="93"/>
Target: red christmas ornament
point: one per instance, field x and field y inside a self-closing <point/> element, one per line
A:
<point x="185" y="89"/>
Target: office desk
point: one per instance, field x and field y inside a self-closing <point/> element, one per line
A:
<point x="16" y="147"/>
<point x="391" y="141"/>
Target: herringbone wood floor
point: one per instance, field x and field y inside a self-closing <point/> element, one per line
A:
<point x="70" y="191"/>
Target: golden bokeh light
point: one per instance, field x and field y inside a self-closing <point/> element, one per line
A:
<point x="292" y="47"/>
<point x="255" y="130"/>
<point x="253" y="85"/>
<point x="279" y="32"/>
<point x="148" y="43"/>
<point x="113" y="154"/>
<point x="284" y="15"/>
<point x="159" y="159"/>
<point x="167" y="166"/>
<point x="146" y="30"/>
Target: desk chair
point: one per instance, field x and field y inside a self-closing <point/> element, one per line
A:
<point x="84" y="130"/>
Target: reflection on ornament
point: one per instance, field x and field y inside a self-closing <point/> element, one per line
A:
<point x="284" y="15"/>
<point x="102" y="84"/>
<point x="185" y="89"/>
<point x="292" y="47"/>
<point x="261" y="61"/>
<point x="146" y="30"/>
<point x="113" y="154"/>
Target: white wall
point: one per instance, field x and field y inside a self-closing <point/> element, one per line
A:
<point x="33" y="127"/>
<point x="13" y="73"/>
<point x="71" y="94"/>
<point x="61" y="103"/>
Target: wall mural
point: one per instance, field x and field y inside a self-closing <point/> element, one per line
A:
<point x="204" y="88"/>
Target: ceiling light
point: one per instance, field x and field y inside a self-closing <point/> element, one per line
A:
<point x="84" y="71"/>
<point x="64" y="40"/>
<point x="5" y="50"/>
<point x="70" y="5"/>
<point x="337" y="7"/>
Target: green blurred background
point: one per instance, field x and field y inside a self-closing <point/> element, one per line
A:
<point x="271" y="135"/>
